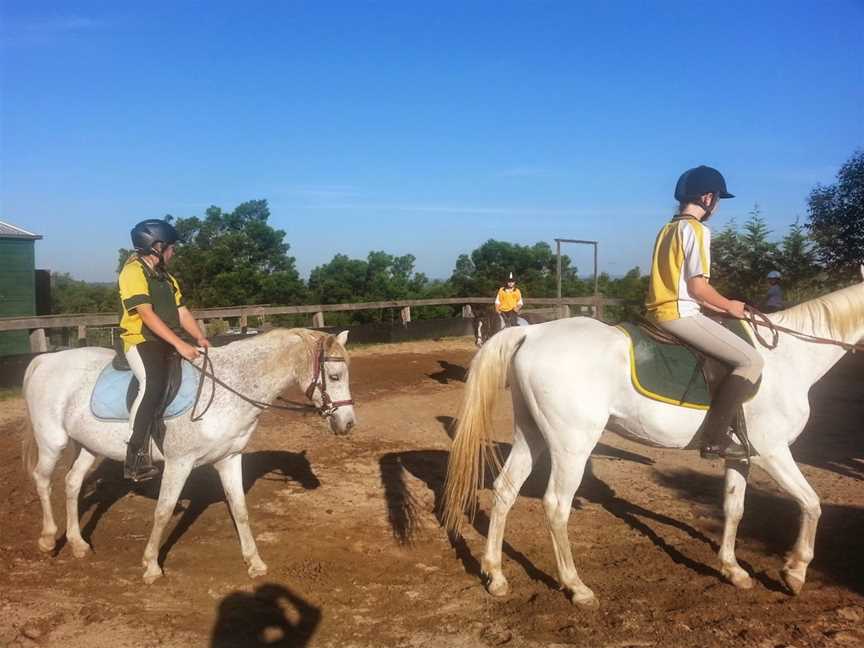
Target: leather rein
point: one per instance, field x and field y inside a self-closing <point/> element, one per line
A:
<point x="327" y="408"/>
<point x="757" y="318"/>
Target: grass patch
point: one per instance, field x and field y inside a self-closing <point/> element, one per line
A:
<point x="7" y="393"/>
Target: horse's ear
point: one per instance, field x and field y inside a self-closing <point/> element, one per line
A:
<point x="342" y="338"/>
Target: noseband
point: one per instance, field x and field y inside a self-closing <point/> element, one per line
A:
<point x="328" y="406"/>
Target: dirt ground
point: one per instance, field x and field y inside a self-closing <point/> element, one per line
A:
<point x="356" y="557"/>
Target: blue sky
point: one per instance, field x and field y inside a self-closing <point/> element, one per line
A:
<point x="417" y="127"/>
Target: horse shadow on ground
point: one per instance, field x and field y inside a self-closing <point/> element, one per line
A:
<point x="105" y="486"/>
<point x="769" y="520"/>
<point x="772" y="522"/>
<point x="449" y="372"/>
<point x="272" y="615"/>
<point x="430" y="466"/>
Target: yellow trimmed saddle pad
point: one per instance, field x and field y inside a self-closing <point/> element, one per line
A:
<point x="671" y="373"/>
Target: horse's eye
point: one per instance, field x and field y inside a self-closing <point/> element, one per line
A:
<point x="334" y="377"/>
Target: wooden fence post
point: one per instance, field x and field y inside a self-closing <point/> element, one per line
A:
<point x="318" y="320"/>
<point x="405" y="313"/>
<point x="598" y="308"/>
<point x="244" y="323"/>
<point x="467" y="313"/>
<point x="82" y="335"/>
<point x="38" y="341"/>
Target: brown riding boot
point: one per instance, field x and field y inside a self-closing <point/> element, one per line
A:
<point x="716" y="441"/>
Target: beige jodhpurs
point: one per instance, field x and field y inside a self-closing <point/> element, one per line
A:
<point x="718" y="342"/>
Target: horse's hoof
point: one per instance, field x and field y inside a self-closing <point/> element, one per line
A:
<point x="589" y="602"/>
<point x="151" y="577"/>
<point x="80" y="550"/>
<point x="739" y="578"/>
<point x="257" y="570"/>
<point x="498" y="587"/>
<point x="794" y="583"/>
<point x="47" y="544"/>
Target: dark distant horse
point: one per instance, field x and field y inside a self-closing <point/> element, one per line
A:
<point x="487" y="322"/>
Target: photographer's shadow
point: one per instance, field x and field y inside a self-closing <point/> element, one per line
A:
<point x="270" y="616"/>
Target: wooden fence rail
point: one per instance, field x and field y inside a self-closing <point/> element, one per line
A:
<point x="37" y="325"/>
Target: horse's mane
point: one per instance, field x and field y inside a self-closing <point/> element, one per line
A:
<point x="837" y="315"/>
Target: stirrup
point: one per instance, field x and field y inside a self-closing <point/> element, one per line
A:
<point x="732" y="451"/>
<point x="142" y="468"/>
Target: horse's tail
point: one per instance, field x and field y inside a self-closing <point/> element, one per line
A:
<point x="472" y="447"/>
<point x="29" y="447"/>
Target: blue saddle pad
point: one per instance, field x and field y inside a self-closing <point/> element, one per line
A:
<point x="108" y="400"/>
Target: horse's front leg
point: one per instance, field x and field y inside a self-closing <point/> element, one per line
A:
<point x="230" y="471"/>
<point x="733" y="509"/>
<point x="781" y="466"/>
<point x="173" y="478"/>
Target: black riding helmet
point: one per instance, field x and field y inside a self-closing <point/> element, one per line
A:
<point x="148" y="233"/>
<point x="699" y="181"/>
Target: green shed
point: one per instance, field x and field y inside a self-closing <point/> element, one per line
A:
<point x="17" y="283"/>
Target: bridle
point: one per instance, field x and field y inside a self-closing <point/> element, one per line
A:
<point x="327" y="408"/>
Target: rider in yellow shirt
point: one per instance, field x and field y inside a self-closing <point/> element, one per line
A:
<point x="154" y="317"/>
<point x="679" y="290"/>
<point x="508" y="302"/>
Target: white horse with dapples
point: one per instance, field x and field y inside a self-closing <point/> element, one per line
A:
<point x="57" y="389"/>
<point x="570" y="379"/>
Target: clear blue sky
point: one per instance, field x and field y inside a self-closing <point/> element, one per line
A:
<point x="417" y="127"/>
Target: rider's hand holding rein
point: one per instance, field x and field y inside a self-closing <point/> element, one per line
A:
<point x="708" y="296"/>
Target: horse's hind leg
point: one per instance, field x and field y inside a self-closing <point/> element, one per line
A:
<point x="528" y="446"/>
<point x="230" y="471"/>
<point x="48" y="456"/>
<point x="733" y="509"/>
<point x="74" y="479"/>
<point x="173" y="478"/>
<point x="568" y="466"/>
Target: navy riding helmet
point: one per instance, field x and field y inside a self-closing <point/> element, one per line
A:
<point x="148" y="233"/>
<point x="699" y="181"/>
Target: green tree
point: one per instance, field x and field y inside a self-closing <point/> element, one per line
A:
<point x="801" y="273"/>
<point x="69" y="295"/>
<point x="534" y="266"/>
<point x="380" y="277"/>
<point x="727" y="251"/>
<point x="741" y="260"/>
<point x="836" y="219"/>
<point x="234" y="258"/>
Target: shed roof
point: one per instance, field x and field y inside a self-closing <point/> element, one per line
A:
<point x="8" y="231"/>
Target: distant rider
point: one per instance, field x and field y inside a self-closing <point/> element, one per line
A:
<point x="508" y="302"/>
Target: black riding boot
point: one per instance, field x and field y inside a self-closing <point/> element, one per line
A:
<point x="139" y="466"/>
<point x="724" y="407"/>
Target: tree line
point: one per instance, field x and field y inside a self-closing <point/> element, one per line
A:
<point x="237" y="258"/>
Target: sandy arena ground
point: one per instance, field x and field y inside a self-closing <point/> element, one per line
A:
<point x="356" y="557"/>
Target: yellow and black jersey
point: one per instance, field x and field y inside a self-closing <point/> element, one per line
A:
<point x="141" y="285"/>
<point x="682" y="251"/>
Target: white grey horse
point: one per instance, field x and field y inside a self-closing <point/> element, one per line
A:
<point x="570" y="380"/>
<point x="57" y="388"/>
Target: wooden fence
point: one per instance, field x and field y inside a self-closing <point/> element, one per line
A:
<point x="37" y="325"/>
